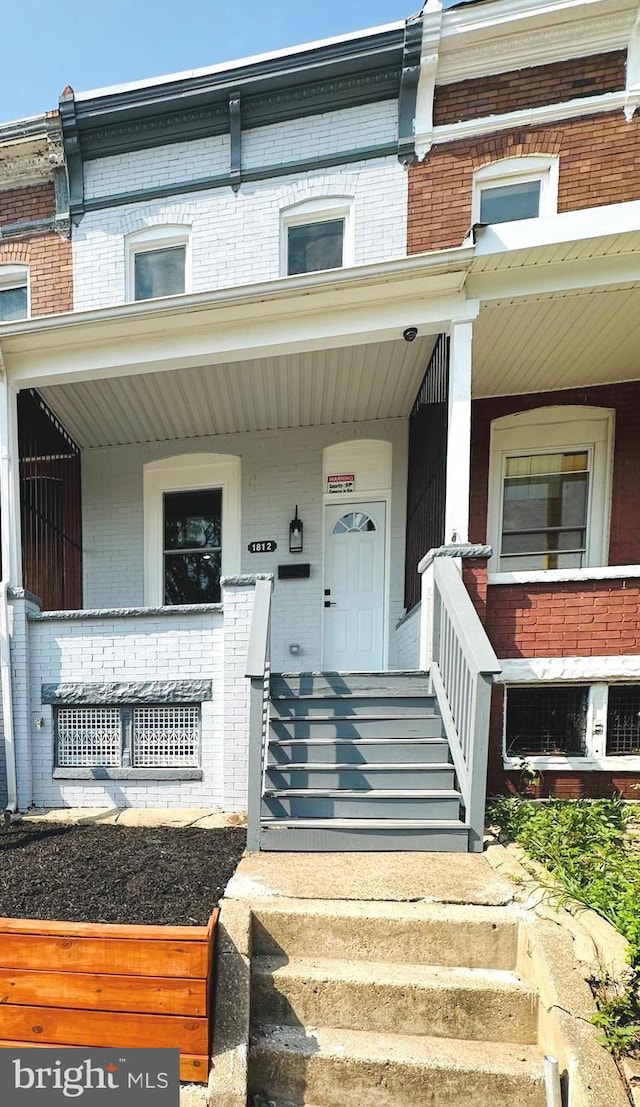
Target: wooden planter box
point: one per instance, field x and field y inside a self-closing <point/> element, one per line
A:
<point x="94" y="984"/>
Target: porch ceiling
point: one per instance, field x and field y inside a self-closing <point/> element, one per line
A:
<point x="568" y="341"/>
<point x="327" y="386"/>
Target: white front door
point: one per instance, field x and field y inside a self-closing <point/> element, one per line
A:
<point x="354" y="586"/>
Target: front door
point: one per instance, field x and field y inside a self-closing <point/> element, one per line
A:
<point x="354" y="586"/>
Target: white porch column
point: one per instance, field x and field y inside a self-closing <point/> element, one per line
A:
<point x="9" y="484"/>
<point x="456" y="517"/>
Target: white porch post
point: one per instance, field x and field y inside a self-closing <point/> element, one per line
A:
<point x="456" y="517"/>
<point x="9" y="484"/>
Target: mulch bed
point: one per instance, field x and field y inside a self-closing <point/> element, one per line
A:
<point x="116" y="874"/>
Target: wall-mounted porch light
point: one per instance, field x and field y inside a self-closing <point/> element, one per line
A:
<point x="296" y="531"/>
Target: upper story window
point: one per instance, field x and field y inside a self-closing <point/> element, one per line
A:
<point x="515" y="188"/>
<point x="549" y="481"/>
<point x="158" y="263"/>
<point x="14" y="293"/>
<point x="316" y="235"/>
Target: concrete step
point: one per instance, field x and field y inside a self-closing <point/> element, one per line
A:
<point x="342" y="1068"/>
<point x="343" y="707"/>
<point x="351" y="728"/>
<point x="472" y="1004"/>
<point x="413" y="933"/>
<point x="317" y="803"/>
<point x="364" y="835"/>
<point x="352" y="777"/>
<point x="350" y="684"/>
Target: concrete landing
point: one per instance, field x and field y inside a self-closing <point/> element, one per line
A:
<point x="458" y="878"/>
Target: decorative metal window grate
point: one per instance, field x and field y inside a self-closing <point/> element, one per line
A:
<point x="159" y="736"/>
<point x="546" y="720"/>
<point x="166" y="736"/>
<point x="88" y="736"/>
<point x="623" y="720"/>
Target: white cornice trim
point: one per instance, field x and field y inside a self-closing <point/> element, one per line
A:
<point x="431" y="31"/>
<point x="539" y="670"/>
<point x="633" y="71"/>
<point x="528" y="117"/>
<point x="514" y="34"/>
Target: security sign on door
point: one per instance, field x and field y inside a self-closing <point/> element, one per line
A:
<point x="354" y="586"/>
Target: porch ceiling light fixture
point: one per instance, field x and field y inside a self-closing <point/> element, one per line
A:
<point x="296" y="532"/>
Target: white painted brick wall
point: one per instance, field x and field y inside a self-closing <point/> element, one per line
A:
<point x="279" y="470"/>
<point x="405" y="642"/>
<point x="236" y="237"/>
<point x="159" y="647"/>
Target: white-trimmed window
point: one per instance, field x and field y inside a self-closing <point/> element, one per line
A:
<point x="316" y="235"/>
<point x="515" y="188"/>
<point x="145" y="736"/>
<point x="14" y="293"/>
<point x="191" y="527"/>
<point x="549" y="489"/>
<point x="572" y="725"/>
<point x="158" y="262"/>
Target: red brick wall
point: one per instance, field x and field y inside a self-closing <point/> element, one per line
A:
<point x="19" y="205"/>
<point x="599" y="164"/>
<point x="530" y="88"/>
<point x="47" y="254"/>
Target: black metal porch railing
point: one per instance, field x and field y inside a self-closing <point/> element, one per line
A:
<point x="427" y="468"/>
<point x="50" y="505"/>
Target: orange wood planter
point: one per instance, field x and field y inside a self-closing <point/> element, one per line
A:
<point x="94" y="984"/>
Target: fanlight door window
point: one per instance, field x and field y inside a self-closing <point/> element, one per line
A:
<point x="192" y="546"/>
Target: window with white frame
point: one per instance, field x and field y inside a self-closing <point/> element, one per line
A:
<point x="549" y="485"/>
<point x="158" y="736"/>
<point x="561" y="723"/>
<point x="515" y="188"/>
<point x="158" y="263"/>
<point x="14" y="293"/>
<point x="191" y="527"/>
<point x="316" y="235"/>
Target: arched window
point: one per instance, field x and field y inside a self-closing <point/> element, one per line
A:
<point x="515" y="188"/>
<point x="549" y="489"/>
<point x="354" y="521"/>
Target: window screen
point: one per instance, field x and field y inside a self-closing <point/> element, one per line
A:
<point x="546" y="720"/>
<point x="313" y="246"/>
<point x="504" y="203"/>
<point x="159" y="272"/>
<point x="88" y="736"/>
<point x="149" y="736"/>
<point x="166" y="736"/>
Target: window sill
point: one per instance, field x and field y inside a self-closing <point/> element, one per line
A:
<point x="97" y="772"/>
<point x="553" y="576"/>
<point x="628" y="764"/>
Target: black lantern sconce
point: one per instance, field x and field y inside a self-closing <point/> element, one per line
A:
<point x="296" y="531"/>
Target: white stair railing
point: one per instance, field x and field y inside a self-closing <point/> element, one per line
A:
<point x="462" y="665"/>
<point x="258" y="670"/>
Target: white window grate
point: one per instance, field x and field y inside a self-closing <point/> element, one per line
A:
<point x="88" y="736"/>
<point x="166" y="736"/>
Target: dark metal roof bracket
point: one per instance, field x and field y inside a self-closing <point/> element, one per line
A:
<point x="409" y="89"/>
<point x="235" y="131"/>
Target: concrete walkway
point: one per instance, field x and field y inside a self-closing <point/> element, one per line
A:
<point x="201" y="817"/>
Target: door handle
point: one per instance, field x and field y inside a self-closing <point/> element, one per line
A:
<point x="330" y="603"/>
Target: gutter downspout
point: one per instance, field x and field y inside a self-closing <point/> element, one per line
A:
<point x="5" y="645"/>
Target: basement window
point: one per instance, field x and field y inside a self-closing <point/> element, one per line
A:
<point x="573" y="725"/>
<point x="158" y="736"/>
<point x="549" y="720"/>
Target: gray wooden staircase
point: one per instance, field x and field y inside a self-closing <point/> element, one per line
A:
<point x="358" y="761"/>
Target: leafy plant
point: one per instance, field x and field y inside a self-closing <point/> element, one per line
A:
<point x="582" y="843"/>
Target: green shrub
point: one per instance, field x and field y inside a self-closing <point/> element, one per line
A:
<point x="581" y="842"/>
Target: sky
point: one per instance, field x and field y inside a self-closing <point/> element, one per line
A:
<point x="89" y="44"/>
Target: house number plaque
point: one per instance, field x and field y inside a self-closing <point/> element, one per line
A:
<point x="265" y="545"/>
